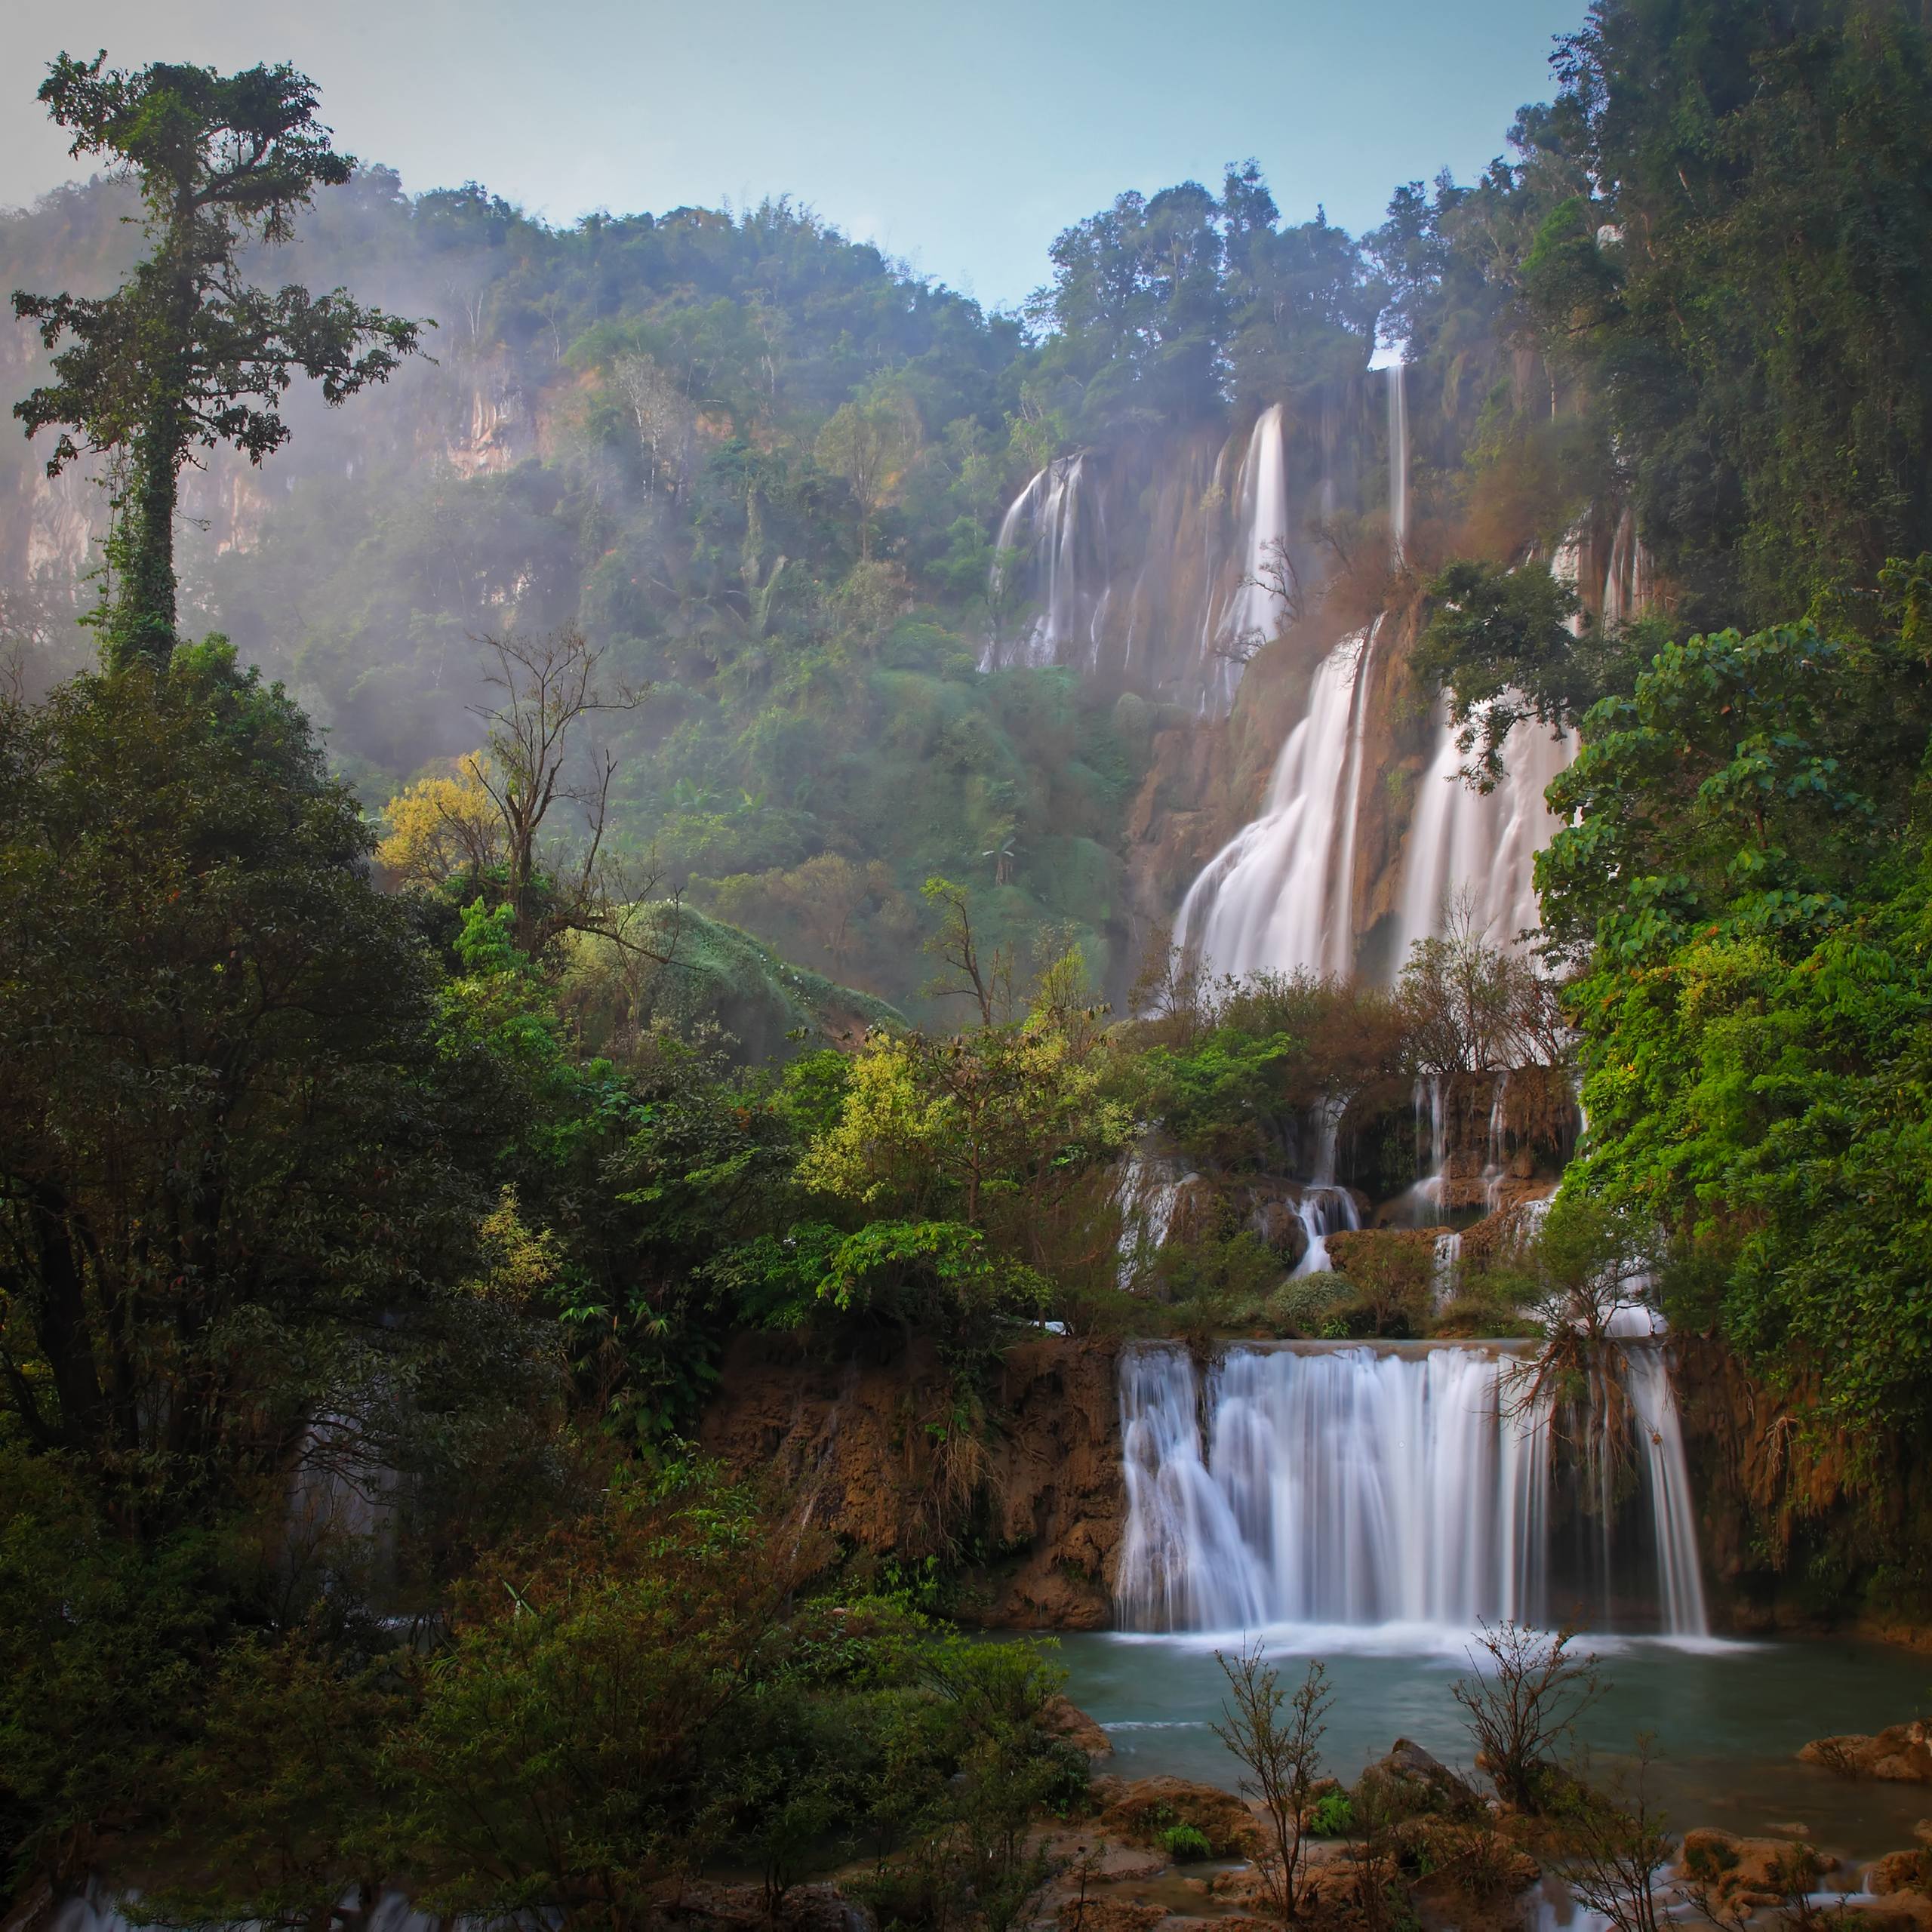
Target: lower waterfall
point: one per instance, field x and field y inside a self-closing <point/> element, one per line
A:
<point x="1357" y="1485"/>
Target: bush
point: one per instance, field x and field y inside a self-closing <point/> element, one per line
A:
<point x="1334" y="1817"/>
<point x="1184" y="1843"/>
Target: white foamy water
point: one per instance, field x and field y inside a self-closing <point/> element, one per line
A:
<point x="1361" y="1489"/>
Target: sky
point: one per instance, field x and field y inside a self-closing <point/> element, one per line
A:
<point x="961" y="137"/>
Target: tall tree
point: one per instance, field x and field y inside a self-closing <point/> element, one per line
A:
<point x="186" y="353"/>
<point x="1746" y="289"/>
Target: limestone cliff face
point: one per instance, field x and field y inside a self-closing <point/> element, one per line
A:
<point x="1799" y="1534"/>
<point x="1033" y="1491"/>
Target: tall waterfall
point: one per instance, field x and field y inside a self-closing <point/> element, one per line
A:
<point x="1052" y="560"/>
<point x="1279" y="897"/>
<point x="1276" y="896"/>
<point x="1478" y="846"/>
<point x="1399" y="462"/>
<point x="1352" y="1485"/>
<point x="1252" y="610"/>
<point x="1482" y="845"/>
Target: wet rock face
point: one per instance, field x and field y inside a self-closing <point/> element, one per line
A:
<point x="1039" y="1479"/>
<point x="1900" y="1872"/>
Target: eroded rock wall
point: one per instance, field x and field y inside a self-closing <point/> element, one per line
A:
<point x="1024" y="1483"/>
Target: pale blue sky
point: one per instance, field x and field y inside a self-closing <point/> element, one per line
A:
<point x="963" y="138"/>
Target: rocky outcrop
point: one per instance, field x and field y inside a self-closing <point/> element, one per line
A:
<point x="1900" y="1753"/>
<point x="1902" y="1871"/>
<point x="1411" y="1781"/>
<point x="1140" y="1809"/>
<point x="895" y="1465"/>
<point x="1739" y="1874"/>
<point x="1066" y="1719"/>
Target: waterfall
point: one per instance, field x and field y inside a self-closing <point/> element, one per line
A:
<point x="1399" y="462"/>
<point x="1183" y="1566"/>
<point x="1276" y="897"/>
<point x="1051" y="552"/>
<point x="1481" y="844"/>
<point x="1147" y="1193"/>
<point x="1323" y="1210"/>
<point x="1646" y="1379"/>
<point x="1253" y="611"/>
<point x="1279" y="897"/>
<point x="1360" y="1486"/>
<point x="1626" y="586"/>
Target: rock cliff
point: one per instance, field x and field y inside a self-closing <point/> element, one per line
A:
<point x="1024" y="1486"/>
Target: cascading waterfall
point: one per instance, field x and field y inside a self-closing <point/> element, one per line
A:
<point x="1147" y="1193"/>
<point x="1322" y="1211"/>
<point x="1252" y="611"/>
<point x="1324" y="1208"/>
<point x="1357" y="1486"/>
<point x="1276" y="897"/>
<point x="1279" y="897"/>
<point x="1399" y="462"/>
<point x="1660" y="1433"/>
<point x="1184" y="1565"/>
<point x="1052" y="552"/>
<point x="1477" y="846"/>
<point x="1626" y="583"/>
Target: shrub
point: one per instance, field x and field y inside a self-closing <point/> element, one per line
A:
<point x="1185" y="1842"/>
<point x="1334" y="1817"/>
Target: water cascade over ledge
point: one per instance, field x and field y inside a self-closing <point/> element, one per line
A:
<point x="1275" y="898"/>
<point x="1360" y="1485"/>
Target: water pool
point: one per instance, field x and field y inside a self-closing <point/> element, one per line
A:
<point x="1727" y="1718"/>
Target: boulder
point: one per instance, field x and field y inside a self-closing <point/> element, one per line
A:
<point x="1900" y="1872"/>
<point x="1740" y="1875"/>
<point x="1411" y="1782"/>
<point x="1067" y="1720"/>
<point x="1141" y="1809"/>
<point x="1900" y="1753"/>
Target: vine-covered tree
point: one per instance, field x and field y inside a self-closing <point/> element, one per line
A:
<point x="186" y="353"/>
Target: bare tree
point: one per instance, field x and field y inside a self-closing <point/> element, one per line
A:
<point x="1618" y="1839"/>
<point x="1473" y="1008"/>
<point x="665" y="419"/>
<point x="547" y="687"/>
<point x="1174" y="985"/>
<point x="985" y="978"/>
<point x="1523" y="1706"/>
<point x="1278" y="1737"/>
<point x="1277" y="577"/>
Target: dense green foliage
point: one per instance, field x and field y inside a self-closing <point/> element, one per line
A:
<point x="1746" y="870"/>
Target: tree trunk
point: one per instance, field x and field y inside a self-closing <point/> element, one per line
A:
<point x="142" y="625"/>
<point x="61" y="1319"/>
